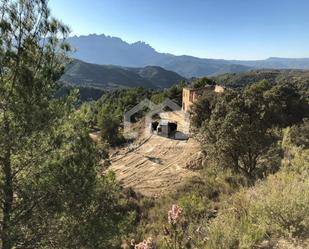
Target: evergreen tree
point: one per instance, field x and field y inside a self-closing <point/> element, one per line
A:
<point x="51" y="195"/>
<point x="237" y="135"/>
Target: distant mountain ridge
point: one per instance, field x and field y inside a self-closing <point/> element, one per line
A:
<point x="102" y="49"/>
<point x="108" y="77"/>
<point x="276" y="63"/>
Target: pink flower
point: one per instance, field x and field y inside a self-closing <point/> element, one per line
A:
<point x="146" y="244"/>
<point x="174" y="214"/>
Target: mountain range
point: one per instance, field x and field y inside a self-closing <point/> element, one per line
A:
<point x="107" y="50"/>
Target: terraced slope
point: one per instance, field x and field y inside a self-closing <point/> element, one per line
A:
<point x="155" y="165"/>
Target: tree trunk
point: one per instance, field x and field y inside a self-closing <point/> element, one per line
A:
<point x="7" y="194"/>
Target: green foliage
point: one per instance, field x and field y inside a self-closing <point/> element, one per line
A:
<point x="300" y="134"/>
<point x="107" y="113"/>
<point x="287" y="106"/>
<point x="107" y="211"/>
<point x="51" y="190"/>
<point x="202" y="109"/>
<point x="300" y="162"/>
<point x="202" y="82"/>
<point x="29" y="71"/>
<point x="109" y="128"/>
<point x="298" y="78"/>
<point x="85" y="93"/>
<point x="193" y="205"/>
<point x="85" y="113"/>
<point x="120" y="101"/>
<point x="110" y="77"/>
<point x="238" y="128"/>
<point x="233" y="230"/>
<point x="236" y="136"/>
<point x="282" y="204"/>
<point x="277" y="207"/>
<point x="174" y="93"/>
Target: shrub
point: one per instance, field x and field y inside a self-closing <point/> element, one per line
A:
<point x="283" y="204"/>
<point x="234" y="228"/>
<point x="110" y="129"/>
<point x="300" y="134"/>
<point x="278" y="207"/>
<point x="194" y="205"/>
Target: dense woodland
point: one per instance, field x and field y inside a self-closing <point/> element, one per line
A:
<point x="252" y="189"/>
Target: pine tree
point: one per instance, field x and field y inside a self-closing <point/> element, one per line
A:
<point x="50" y="192"/>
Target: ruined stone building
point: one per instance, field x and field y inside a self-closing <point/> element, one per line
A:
<point x="191" y="94"/>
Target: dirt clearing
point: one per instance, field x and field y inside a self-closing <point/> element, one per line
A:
<point x="155" y="165"/>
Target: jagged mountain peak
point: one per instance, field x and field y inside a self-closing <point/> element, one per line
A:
<point x="103" y="49"/>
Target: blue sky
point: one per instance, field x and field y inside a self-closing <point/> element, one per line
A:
<point x="226" y="29"/>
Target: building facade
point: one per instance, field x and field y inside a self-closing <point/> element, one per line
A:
<point x="191" y="95"/>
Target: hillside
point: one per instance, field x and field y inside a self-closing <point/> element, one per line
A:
<point x="102" y="49"/>
<point x="277" y="63"/>
<point x="190" y="66"/>
<point x="299" y="78"/>
<point x="79" y="73"/>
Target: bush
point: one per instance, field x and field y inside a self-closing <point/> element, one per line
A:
<point x="194" y="205"/>
<point x="278" y="207"/>
<point x="283" y="204"/>
<point x="300" y="134"/>
<point x="110" y="129"/>
<point x="229" y="231"/>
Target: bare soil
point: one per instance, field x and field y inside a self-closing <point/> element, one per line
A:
<point x="155" y="165"/>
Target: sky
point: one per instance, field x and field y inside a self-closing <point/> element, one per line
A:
<point x="222" y="29"/>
